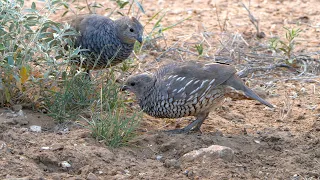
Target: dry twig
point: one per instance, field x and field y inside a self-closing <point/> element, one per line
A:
<point x="245" y="72"/>
<point x="255" y="22"/>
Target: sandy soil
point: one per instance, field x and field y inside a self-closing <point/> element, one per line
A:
<point x="280" y="143"/>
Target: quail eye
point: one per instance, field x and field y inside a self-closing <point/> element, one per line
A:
<point x="131" y="30"/>
<point x="132" y="84"/>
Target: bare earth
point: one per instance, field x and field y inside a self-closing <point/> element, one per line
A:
<point x="280" y="143"/>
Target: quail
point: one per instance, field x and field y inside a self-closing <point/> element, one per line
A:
<point x="107" y="42"/>
<point x="186" y="89"/>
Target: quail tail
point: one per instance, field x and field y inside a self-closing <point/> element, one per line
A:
<point x="237" y="83"/>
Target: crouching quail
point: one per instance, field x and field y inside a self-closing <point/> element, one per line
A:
<point x="107" y="42"/>
<point x="186" y="89"/>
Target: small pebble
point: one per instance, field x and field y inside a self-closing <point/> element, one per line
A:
<point x="20" y="113"/>
<point x="23" y="122"/>
<point x="65" y="164"/>
<point x="126" y="171"/>
<point x="257" y="141"/>
<point x="17" y="108"/>
<point x="171" y="163"/>
<point x="188" y="173"/>
<point x="45" y="148"/>
<point x="159" y="157"/>
<point x="2" y="145"/>
<point x="35" y="128"/>
<point x="92" y="176"/>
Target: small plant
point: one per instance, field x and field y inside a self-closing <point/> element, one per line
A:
<point x="113" y="128"/>
<point x="199" y="48"/>
<point x="112" y="121"/>
<point x="286" y="46"/>
<point x="115" y="124"/>
<point x="72" y="97"/>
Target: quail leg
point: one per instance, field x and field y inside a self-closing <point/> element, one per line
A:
<point x="185" y="129"/>
<point x="192" y="127"/>
<point x="201" y="118"/>
<point x="198" y="125"/>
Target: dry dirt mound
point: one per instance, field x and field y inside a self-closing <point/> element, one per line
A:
<point x="267" y="153"/>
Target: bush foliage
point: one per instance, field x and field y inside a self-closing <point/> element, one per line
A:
<point x="35" y="68"/>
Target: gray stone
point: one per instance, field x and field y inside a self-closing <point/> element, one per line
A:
<point x="209" y="154"/>
<point x="92" y="176"/>
<point x="16" y="108"/>
<point x="65" y="164"/>
<point x="35" y="128"/>
<point x="2" y="145"/>
<point x="171" y="163"/>
<point x="159" y="157"/>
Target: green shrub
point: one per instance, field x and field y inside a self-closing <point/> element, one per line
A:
<point x="286" y="46"/>
<point x="25" y="46"/>
<point x="34" y="67"/>
<point x="112" y="120"/>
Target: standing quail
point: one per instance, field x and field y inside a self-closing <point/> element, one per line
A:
<point x="107" y="42"/>
<point x="186" y="89"/>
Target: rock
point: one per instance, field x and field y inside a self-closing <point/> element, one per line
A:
<point x="11" y="115"/>
<point x="209" y="154"/>
<point x="65" y="164"/>
<point x="22" y="121"/>
<point x="159" y="157"/>
<point x="23" y="130"/>
<point x="120" y="176"/>
<point x="295" y="177"/>
<point x="126" y="171"/>
<point x="57" y="147"/>
<point x="167" y="146"/>
<point x="35" y="128"/>
<point x="10" y="121"/>
<point x="20" y="113"/>
<point x="2" y="145"/>
<point x="171" y="163"/>
<point x="92" y="176"/>
<point x="45" y="148"/>
<point x="188" y="173"/>
<point x="17" y="108"/>
<point x="20" y="178"/>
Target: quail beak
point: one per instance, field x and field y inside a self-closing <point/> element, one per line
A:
<point x="139" y="39"/>
<point x="124" y="88"/>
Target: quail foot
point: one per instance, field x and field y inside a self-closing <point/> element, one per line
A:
<point x="186" y="89"/>
<point x="107" y="42"/>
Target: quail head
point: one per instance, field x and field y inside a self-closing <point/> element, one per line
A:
<point x="107" y="42"/>
<point x="186" y="89"/>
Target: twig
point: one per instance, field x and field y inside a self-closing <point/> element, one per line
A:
<point x="88" y="6"/>
<point x="218" y="18"/>
<point x="244" y="73"/>
<point x="255" y="22"/>
<point x="301" y="78"/>
<point x="130" y="7"/>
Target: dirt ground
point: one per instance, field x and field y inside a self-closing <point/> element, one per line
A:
<point x="279" y="143"/>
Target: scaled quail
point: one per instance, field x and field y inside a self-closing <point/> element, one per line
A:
<point x="186" y="89"/>
<point x="107" y="42"/>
